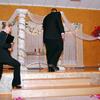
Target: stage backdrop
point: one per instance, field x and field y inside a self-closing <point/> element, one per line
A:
<point x="88" y="18"/>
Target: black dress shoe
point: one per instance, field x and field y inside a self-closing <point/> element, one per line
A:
<point x="51" y="69"/>
<point x="16" y="87"/>
<point x="56" y="68"/>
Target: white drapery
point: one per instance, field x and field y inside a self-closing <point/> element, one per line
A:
<point x="73" y="32"/>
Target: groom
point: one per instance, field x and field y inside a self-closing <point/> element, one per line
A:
<point x="53" y="35"/>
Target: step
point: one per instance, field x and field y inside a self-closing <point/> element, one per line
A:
<point x="45" y="75"/>
<point x="93" y="75"/>
<point x="36" y="83"/>
<point x="5" y="95"/>
<point x="57" y="91"/>
<point x="63" y="98"/>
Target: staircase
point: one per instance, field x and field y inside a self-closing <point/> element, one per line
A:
<point x="58" y="84"/>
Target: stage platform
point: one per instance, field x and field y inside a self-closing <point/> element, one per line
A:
<point x="43" y="85"/>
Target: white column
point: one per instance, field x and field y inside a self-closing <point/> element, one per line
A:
<point x="21" y="37"/>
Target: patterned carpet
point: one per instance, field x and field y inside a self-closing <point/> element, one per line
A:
<point x="5" y="83"/>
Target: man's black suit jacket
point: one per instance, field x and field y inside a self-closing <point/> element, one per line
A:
<point x="52" y="26"/>
<point x="4" y="53"/>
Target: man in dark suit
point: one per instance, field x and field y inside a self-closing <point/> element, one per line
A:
<point x="5" y="56"/>
<point x="53" y="34"/>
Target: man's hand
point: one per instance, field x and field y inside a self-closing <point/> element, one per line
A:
<point x="10" y="49"/>
<point x="63" y="35"/>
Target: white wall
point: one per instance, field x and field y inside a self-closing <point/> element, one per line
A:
<point x="85" y="4"/>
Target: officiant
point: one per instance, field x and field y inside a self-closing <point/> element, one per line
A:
<point x="6" y="42"/>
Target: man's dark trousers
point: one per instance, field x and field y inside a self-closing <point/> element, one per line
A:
<point x="54" y="48"/>
<point x="14" y="63"/>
